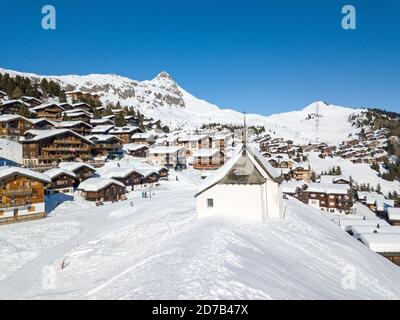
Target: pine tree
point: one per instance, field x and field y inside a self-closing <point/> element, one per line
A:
<point x="17" y="93"/>
<point x="120" y="120"/>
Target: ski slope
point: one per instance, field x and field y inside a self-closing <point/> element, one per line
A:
<point x="157" y="249"/>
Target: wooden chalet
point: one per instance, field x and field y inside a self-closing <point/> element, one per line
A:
<point x="125" y="133"/>
<point x="51" y="111"/>
<point x="208" y="159"/>
<point x="82" y="106"/>
<point x="3" y="95"/>
<point x="62" y="181"/>
<point x="13" y="126"/>
<point x="49" y="147"/>
<point x="393" y="216"/>
<point x="102" y="121"/>
<point x="83" y="171"/>
<point x="11" y="106"/>
<point x="77" y="115"/>
<point x="146" y="138"/>
<point x="128" y="176"/>
<point x="22" y="194"/>
<point x="31" y="101"/>
<point x="66" y="106"/>
<point x="102" y="189"/>
<point x="80" y="127"/>
<point x="106" y="145"/>
<point x="136" y="150"/>
<point x="301" y="172"/>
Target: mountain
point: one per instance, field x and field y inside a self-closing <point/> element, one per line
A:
<point x="162" y="98"/>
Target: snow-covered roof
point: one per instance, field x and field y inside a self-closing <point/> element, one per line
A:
<point x="291" y="186"/>
<point x="134" y="146"/>
<point x="102" y="137"/>
<point x="328" y="188"/>
<point x="55" y="172"/>
<point x="44" y="134"/>
<point x="343" y="222"/>
<point x="117" y="172"/>
<point x="102" y="128"/>
<point x="74" y="166"/>
<point x="332" y="179"/>
<point x="44" y="106"/>
<point x="356" y="229"/>
<point x="98" y="184"/>
<point x="6" y="102"/>
<point x="100" y="121"/>
<point x="125" y="129"/>
<point x="380" y="242"/>
<point x="3" y="93"/>
<point x="11" y="117"/>
<point x="7" y="171"/>
<point x="165" y="149"/>
<point x="144" y="135"/>
<point x="220" y="173"/>
<point x="69" y="124"/>
<point x="393" y="213"/>
<point x="206" y="152"/>
<point x="194" y="137"/>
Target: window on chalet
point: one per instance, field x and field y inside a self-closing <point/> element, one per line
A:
<point x="210" y="203"/>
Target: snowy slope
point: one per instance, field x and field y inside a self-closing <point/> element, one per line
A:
<point x="158" y="250"/>
<point x="162" y="98"/>
<point x="11" y="150"/>
<point x="360" y="172"/>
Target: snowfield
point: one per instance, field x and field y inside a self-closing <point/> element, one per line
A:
<point x="157" y="249"/>
<point x="360" y="172"/>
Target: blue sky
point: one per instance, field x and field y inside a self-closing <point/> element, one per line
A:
<point x="255" y="55"/>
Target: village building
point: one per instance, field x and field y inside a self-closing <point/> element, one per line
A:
<point x="83" y="171"/>
<point x="83" y="106"/>
<point x="208" y="159"/>
<point x="385" y="244"/>
<point x="31" y="101"/>
<point x="80" y="127"/>
<point x="301" y="172"/>
<point x="49" y="147"/>
<point x="334" y="179"/>
<point x="333" y="198"/>
<point x="22" y="194"/>
<point x="393" y="216"/>
<point x="66" y="106"/>
<point x="77" y="115"/>
<point x="150" y="176"/>
<point x="107" y="146"/>
<point x="11" y="106"/>
<point x="125" y="133"/>
<point x="246" y="186"/>
<point x="195" y="142"/>
<point x="143" y="138"/>
<point x="102" y="190"/>
<point x="136" y="150"/>
<point x="13" y="126"/>
<point x="174" y="156"/>
<point x="62" y="181"/>
<point x="375" y="201"/>
<point x="128" y="176"/>
<point x="51" y="111"/>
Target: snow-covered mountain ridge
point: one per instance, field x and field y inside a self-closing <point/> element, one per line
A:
<point x="162" y="98"/>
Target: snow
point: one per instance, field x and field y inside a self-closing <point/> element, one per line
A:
<point x="11" y="150"/>
<point x="165" y="150"/>
<point x="44" y="134"/>
<point x="97" y="184"/>
<point x="55" y="172"/>
<point x="7" y="171"/>
<point x="206" y="152"/>
<point x="328" y="188"/>
<point x="159" y="250"/>
<point x="359" y="172"/>
<point x="379" y="242"/>
<point x="393" y="213"/>
<point x="73" y="166"/>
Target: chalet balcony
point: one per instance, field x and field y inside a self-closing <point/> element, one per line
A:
<point x="18" y="192"/>
<point x="67" y="149"/>
<point x="207" y="166"/>
<point x="15" y="204"/>
<point x="63" y="142"/>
